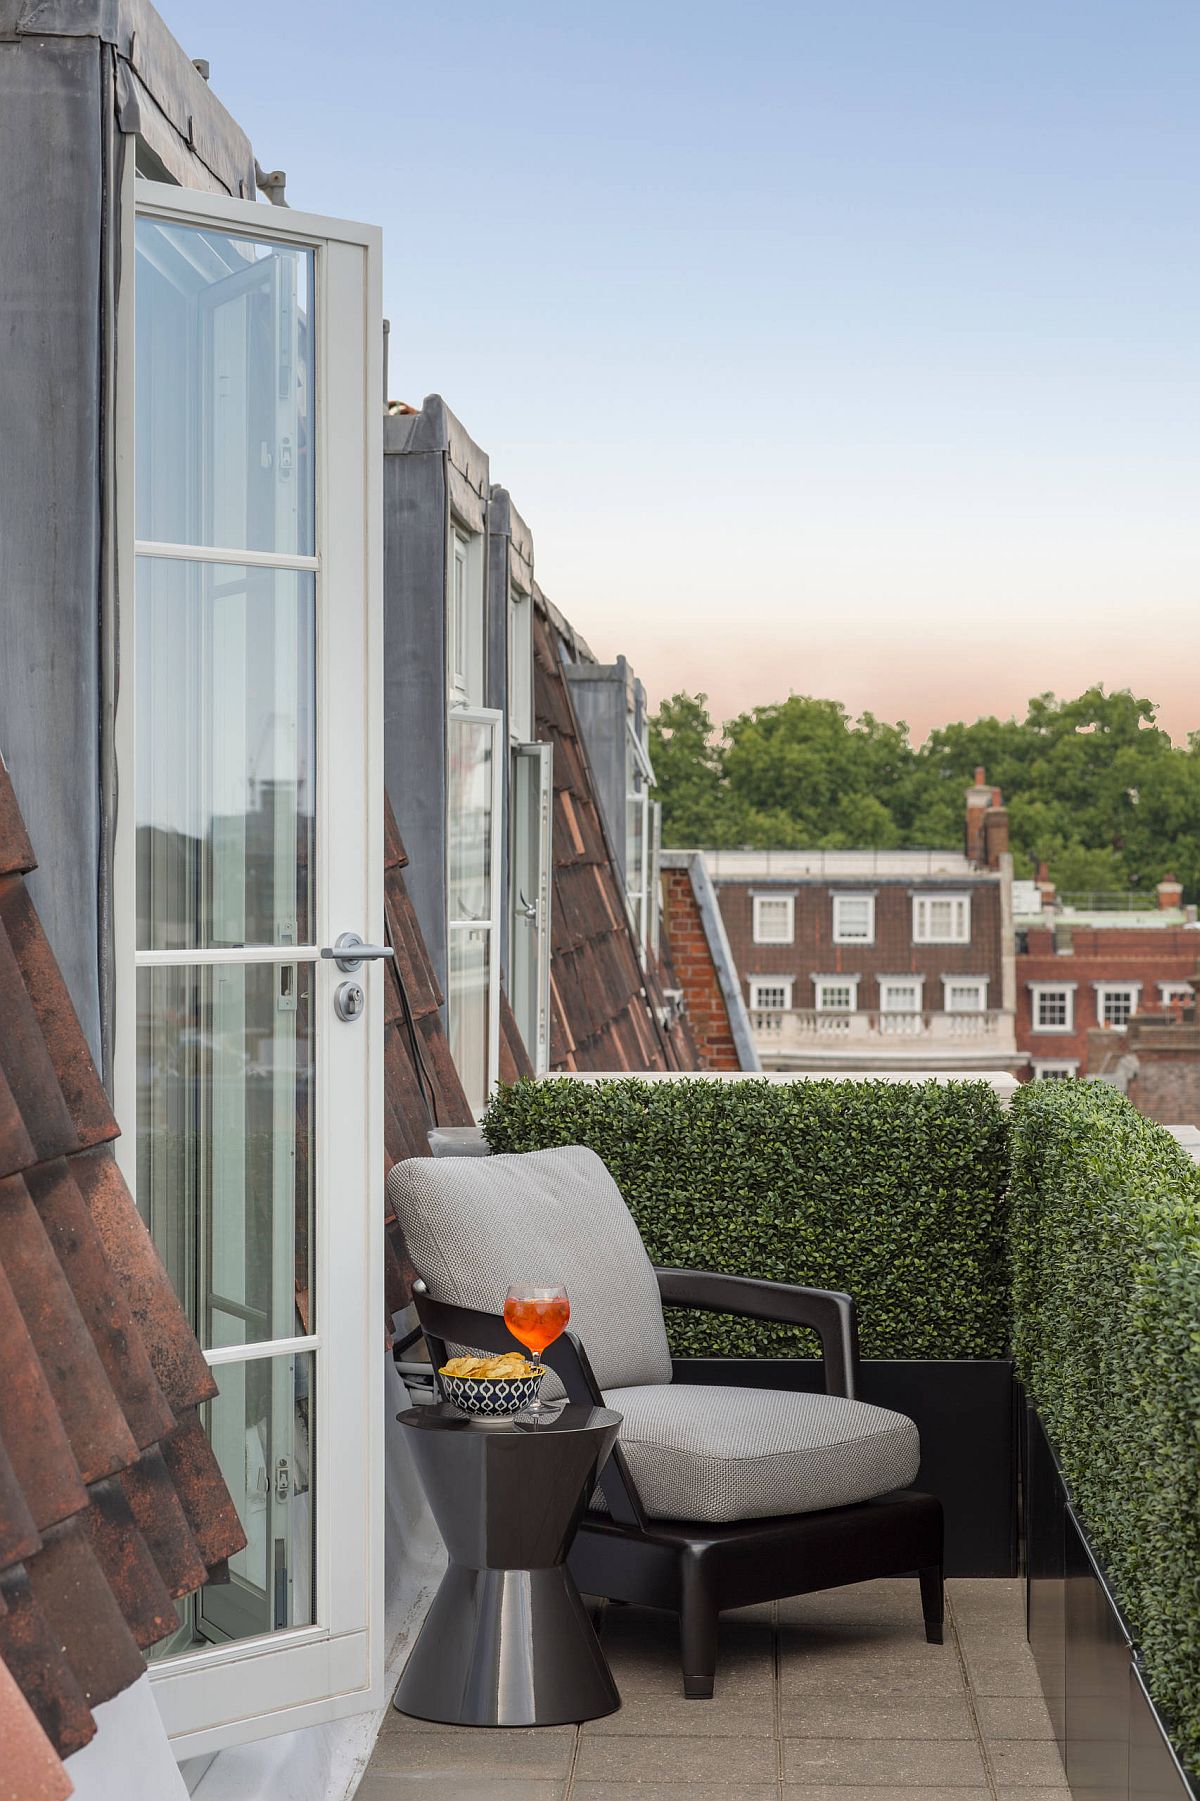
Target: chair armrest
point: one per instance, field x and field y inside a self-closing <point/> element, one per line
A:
<point x="829" y="1314"/>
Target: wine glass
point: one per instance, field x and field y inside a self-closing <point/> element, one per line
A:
<point x="536" y="1316"/>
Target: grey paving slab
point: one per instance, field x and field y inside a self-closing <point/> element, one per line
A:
<point x="1043" y="1794"/>
<point x="862" y="1763"/>
<point x="470" y="1751"/>
<point x="672" y="1760"/>
<point x="1025" y="1764"/>
<point x="399" y="1785"/>
<point x="803" y="1791"/>
<point x="1013" y="1716"/>
<point x="730" y="1713"/>
<point x="674" y="1791"/>
<point x="872" y="1716"/>
<point x="872" y="1668"/>
<point x="1007" y="1670"/>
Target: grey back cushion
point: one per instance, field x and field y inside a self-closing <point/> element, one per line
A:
<point x="473" y="1225"/>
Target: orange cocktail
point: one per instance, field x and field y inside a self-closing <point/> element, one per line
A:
<point x="536" y="1316"/>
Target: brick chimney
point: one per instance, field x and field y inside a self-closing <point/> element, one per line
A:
<point x="987" y="823"/>
<point x="1046" y="889"/>
<point x="979" y="799"/>
<point x="1169" y="892"/>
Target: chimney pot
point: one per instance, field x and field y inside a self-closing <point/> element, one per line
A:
<point x="980" y="776"/>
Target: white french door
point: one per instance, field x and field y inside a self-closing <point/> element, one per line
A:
<point x="250" y="763"/>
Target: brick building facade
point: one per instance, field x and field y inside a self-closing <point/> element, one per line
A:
<point x="863" y="958"/>
<point x="1080" y="974"/>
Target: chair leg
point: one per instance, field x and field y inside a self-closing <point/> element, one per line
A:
<point x="932" y="1602"/>
<point x="698" y="1633"/>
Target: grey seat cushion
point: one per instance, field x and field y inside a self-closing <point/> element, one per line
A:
<point x="717" y="1454"/>
<point x="473" y="1225"/>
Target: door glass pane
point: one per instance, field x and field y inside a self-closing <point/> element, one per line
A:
<point x="468" y="1007"/>
<point x="224" y="390"/>
<point x="469" y="817"/>
<point x="224" y="1151"/>
<point x="262" y="1429"/>
<point x="225" y="727"/>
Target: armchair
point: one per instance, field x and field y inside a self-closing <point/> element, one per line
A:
<point x="713" y="1497"/>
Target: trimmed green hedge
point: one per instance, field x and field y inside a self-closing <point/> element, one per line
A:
<point x="890" y="1191"/>
<point x="1106" y="1295"/>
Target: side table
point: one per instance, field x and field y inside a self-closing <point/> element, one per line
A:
<point x="507" y="1640"/>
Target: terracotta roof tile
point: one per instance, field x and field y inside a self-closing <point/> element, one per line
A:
<point x="30" y="1770"/>
<point x="159" y="1516"/>
<point x="109" y="1508"/>
<point x="16" y="852"/>
<point x="175" y="1357"/>
<point x="36" y="1659"/>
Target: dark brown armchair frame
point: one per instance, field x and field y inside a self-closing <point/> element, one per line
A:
<point x="697" y="1570"/>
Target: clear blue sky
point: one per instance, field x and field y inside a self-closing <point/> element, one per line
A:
<point x="848" y="348"/>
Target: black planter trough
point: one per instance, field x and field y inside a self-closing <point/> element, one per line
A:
<point x="964" y="1412"/>
<point x="1114" y="1744"/>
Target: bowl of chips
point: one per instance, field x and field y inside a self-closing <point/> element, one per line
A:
<point x="491" y="1386"/>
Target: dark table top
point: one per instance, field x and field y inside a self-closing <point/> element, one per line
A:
<point x="442" y="1417"/>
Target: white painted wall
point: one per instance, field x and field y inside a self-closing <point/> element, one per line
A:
<point x="130" y="1758"/>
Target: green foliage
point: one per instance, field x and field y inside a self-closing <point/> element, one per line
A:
<point x="891" y="1192"/>
<point x="1106" y="1302"/>
<point x="1093" y="785"/>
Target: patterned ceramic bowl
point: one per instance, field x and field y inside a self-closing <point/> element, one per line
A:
<point x="490" y="1395"/>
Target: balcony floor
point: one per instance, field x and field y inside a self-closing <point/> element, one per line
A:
<point x="832" y="1697"/>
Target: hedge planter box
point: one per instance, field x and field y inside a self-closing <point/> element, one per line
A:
<point x="964" y="1411"/>
<point x="1112" y="1740"/>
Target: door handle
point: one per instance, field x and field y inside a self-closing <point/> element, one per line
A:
<point x="350" y="953"/>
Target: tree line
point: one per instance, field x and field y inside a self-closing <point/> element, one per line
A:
<point x="1093" y="786"/>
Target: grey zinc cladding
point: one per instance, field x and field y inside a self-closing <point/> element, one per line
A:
<point x="432" y="469"/>
<point x="605" y="696"/>
<point x="69" y="99"/>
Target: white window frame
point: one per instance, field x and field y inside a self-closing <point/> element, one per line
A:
<point x="888" y="983"/>
<point x="1050" y="1069"/>
<point x="1173" y="991"/>
<point x="786" y="900"/>
<point x="1036" y="991"/>
<point x="921" y="930"/>
<point x="840" y="934"/>
<point x="1104" y="989"/>
<point x="784" y="984"/>
<point x="490" y="922"/>
<point x="977" y="984"/>
<point x="821" y="983"/>
<point x="305" y="1675"/>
